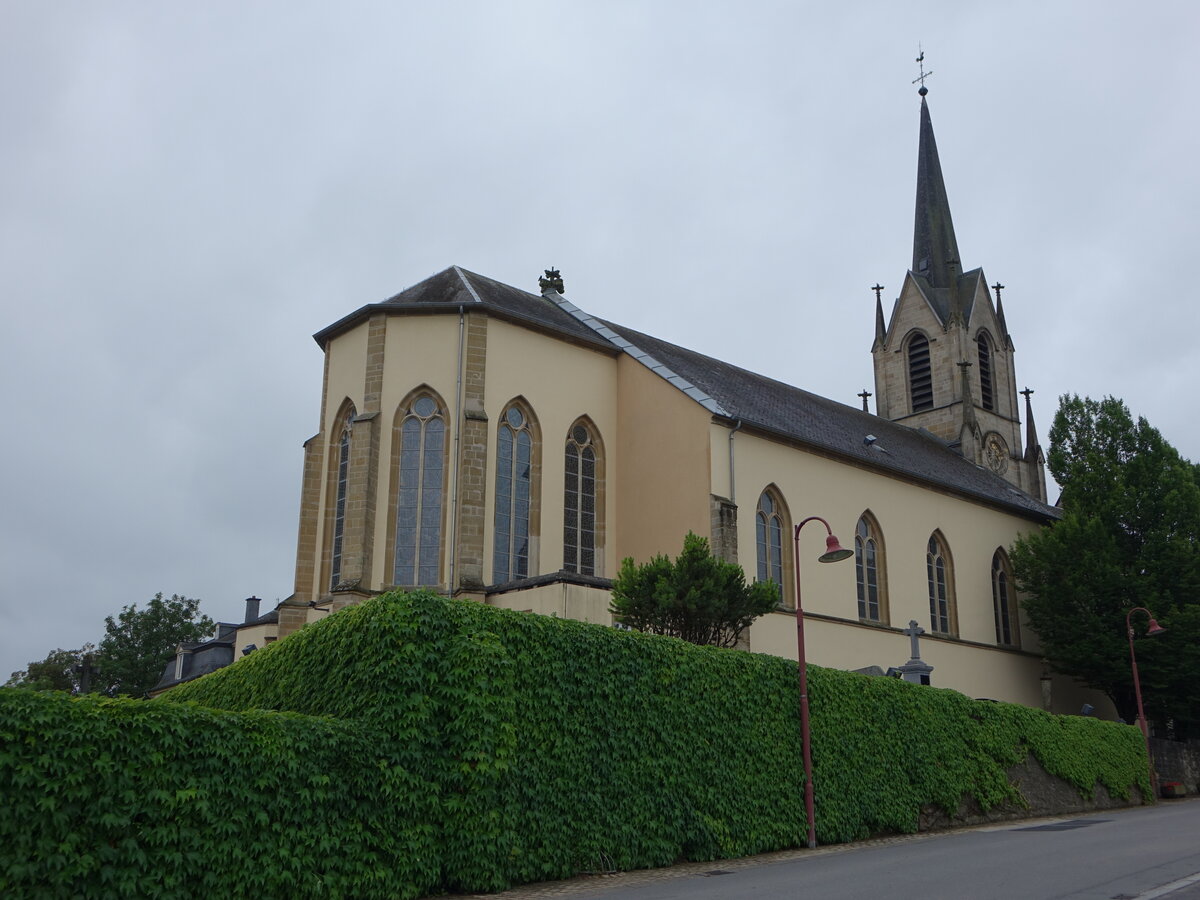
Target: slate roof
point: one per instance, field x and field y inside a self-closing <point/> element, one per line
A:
<point x="723" y="389"/>
<point x="833" y="427"/>
<point x="937" y="265"/>
<point x="455" y="287"/>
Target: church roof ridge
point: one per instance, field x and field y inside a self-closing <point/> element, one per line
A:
<point x="606" y="331"/>
<point x="774" y="406"/>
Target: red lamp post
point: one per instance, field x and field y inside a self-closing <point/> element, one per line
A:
<point x="1153" y="629"/>
<point x="834" y="552"/>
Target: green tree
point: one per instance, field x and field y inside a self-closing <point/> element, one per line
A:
<point x="1129" y="537"/>
<point x="697" y="597"/>
<point x="59" y="671"/>
<point x="138" y="642"/>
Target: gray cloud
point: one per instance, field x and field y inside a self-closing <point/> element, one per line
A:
<point x="191" y="192"/>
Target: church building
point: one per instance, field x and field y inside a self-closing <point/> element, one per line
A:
<point x="508" y="447"/>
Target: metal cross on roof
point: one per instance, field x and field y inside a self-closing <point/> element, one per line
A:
<point x="878" y="289"/>
<point x="997" y="287"/>
<point x="866" y="395"/>
<point x="921" y="78"/>
<point x="1027" y="393"/>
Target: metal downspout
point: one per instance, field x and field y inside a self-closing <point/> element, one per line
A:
<point x="732" y="491"/>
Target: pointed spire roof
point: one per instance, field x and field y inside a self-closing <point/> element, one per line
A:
<point x="935" y="249"/>
<point x="1032" y="447"/>
<point x="880" y="326"/>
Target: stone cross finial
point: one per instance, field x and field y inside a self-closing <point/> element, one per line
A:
<point x="878" y="289"/>
<point x="997" y="287"/>
<point x="865" y="396"/>
<point x="1027" y="393"/>
<point x="552" y="281"/>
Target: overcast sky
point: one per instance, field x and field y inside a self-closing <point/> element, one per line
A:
<point x="189" y="191"/>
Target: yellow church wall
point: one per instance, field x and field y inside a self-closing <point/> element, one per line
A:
<point x="564" y="601"/>
<point x="258" y="635"/>
<point x="347" y="359"/>
<point x="418" y="350"/>
<point x="664" y="480"/>
<point x="907" y="514"/>
<point x="560" y="382"/>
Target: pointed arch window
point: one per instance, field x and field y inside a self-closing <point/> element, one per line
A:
<point x="581" y="500"/>
<point x="942" y="614"/>
<point x="340" y="488"/>
<point x="870" y="570"/>
<point x="986" y="389"/>
<point x="420" y="492"/>
<point x="515" y="448"/>
<point x="1004" y="601"/>
<point x="771" y="530"/>
<point x="920" y="375"/>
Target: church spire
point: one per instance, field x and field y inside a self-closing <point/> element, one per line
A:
<point x="935" y="249"/>
<point x="880" y="327"/>
<point x="1032" y="447"/>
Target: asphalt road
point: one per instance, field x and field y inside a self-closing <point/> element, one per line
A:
<point x="1144" y="853"/>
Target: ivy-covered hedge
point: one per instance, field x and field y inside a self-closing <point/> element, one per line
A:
<point x="123" y="798"/>
<point x="507" y="747"/>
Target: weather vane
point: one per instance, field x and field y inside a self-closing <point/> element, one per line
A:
<point x="921" y="78"/>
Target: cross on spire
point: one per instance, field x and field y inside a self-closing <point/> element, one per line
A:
<point x="878" y="289"/>
<point x="1027" y="393"/>
<point x="997" y="287"/>
<point x="866" y="395"/>
<point x="921" y="78"/>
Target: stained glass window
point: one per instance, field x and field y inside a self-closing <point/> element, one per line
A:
<point x="339" y="503"/>
<point x="514" y="486"/>
<point x="579" y="503"/>
<point x="940" y="598"/>
<point x="769" y="530"/>
<point x="868" y="564"/>
<point x="420" y="494"/>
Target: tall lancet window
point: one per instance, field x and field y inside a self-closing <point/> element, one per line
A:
<point x="1004" y="602"/>
<point x="419" y="498"/>
<point x="985" y="372"/>
<point x="941" y="586"/>
<point x="869" y="570"/>
<point x="770" y="525"/>
<point x="579" y="502"/>
<point x="514" y="491"/>
<point x="920" y="375"/>
<point x="339" y="500"/>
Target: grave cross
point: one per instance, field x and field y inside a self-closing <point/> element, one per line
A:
<point x="914" y="632"/>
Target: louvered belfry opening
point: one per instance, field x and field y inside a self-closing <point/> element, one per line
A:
<point x="985" y="373"/>
<point x="920" y="377"/>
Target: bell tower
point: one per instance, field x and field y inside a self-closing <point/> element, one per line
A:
<point x="944" y="358"/>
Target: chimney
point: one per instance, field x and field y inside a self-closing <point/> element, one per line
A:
<point x="251" y="609"/>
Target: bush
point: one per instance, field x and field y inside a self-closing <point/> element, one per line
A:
<point x="474" y="748"/>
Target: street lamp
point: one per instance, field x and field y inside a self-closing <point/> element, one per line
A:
<point x="1154" y="628"/>
<point x="834" y="552"/>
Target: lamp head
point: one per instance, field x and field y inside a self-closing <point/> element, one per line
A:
<point x="834" y="551"/>
<point x="1154" y="628"/>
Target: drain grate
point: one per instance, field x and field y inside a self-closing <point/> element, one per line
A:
<point x="1064" y="826"/>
